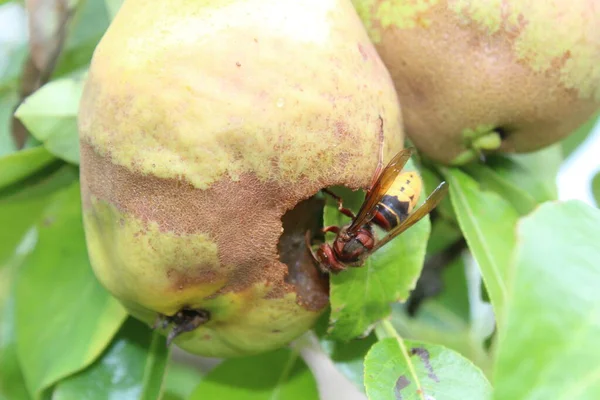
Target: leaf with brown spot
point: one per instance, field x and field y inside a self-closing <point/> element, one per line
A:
<point x="447" y="318"/>
<point x="407" y="370"/>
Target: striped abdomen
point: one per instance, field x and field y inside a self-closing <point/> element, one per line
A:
<point x="399" y="201"/>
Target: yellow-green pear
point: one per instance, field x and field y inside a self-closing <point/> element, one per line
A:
<point x="206" y="127"/>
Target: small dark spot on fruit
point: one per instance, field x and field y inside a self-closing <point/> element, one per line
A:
<point x="408" y="181"/>
<point x="238" y="64"/>
<point x="185" y="320"/>
<point x="276" y="331"/>
<point x="402" y="189"/>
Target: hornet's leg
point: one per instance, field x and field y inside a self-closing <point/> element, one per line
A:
<point x="333" y="228"/>
<point x="341" y="207"/>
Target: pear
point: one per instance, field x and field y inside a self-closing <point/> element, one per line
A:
<point x="206" y="129"/>
<point x="484" y="76"/>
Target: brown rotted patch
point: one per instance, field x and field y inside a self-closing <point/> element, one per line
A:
<point x="182" y="280"/>
<point x="244" y="219"/>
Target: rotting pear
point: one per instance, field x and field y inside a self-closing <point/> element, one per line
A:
<point x="206" y="129"/>
<point x="483" y="76"/>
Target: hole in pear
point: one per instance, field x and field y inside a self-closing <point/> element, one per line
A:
<point x="311" y="285"/>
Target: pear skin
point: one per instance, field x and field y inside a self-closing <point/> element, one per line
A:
<point x="203" y="126"/>
<point x="486" y="76"/>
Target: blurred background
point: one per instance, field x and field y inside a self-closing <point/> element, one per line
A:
<point x="574" y="182"/>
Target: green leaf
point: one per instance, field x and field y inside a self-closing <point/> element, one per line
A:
<point x="50" y="114"/>
<point x="445" y="319"/>
<point x="407" y="370"/>
<point x="548" y="345"/>
<point x="19" y="212"/>
<point x="8" y="101"/>
<point x="64" y="318"/>
<point x="534" y="173"/>
<point x="444" y="233"/>
<point x="21" y="205"/>
<point x="21" y="164"/>
<point x="113" y="7"/>
<point x="488" y="223"/>
<point x="131" y="368"/>
<point x="12" y="383"/>
<point x="491" y="179"/>
<point x="574" y="140"/>
<point x="180" y="381"/>
<point x="596" y="188"/>
<point x="277" y="375"/>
